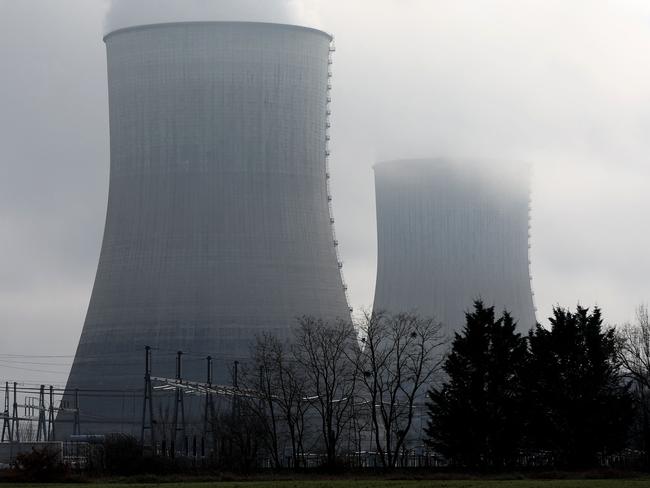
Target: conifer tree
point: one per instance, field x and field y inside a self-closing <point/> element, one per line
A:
<point x="578" y="405"/>
<point x="476" y="418"/>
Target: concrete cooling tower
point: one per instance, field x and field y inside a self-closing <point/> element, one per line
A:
<point x="218" y="226"/>
<point x="452" y="231"/>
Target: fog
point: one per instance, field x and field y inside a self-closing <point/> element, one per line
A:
<point x="563" y="85"/>
<point x="125" y="13"/>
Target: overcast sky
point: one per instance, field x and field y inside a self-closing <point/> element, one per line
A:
<point x="562" y="84"/>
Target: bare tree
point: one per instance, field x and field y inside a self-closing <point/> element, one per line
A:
<point x="282" y="404"/>
<point x="634" y="354"/>
<point x="324" y="351"/>
<point x="635" y="348"/>
<point x="361" y="425"/>
<point x="288" y="382"/>
<point x="263" y="403"/>
<point x="399" y="358"/>
<point x="163" y="425"/>
<point x="240" y="436"/>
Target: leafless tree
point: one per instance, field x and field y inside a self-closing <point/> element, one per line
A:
<point x="289" y="383"/>
<point x="635" y="348"/>
<point x="282" y="403"/>
<point x="263" y="405"/>
<point x="240" y="437"/>
<point x="26" y="431"/>
<point x="400" y="356"/>
<point x="163" y="425"/>
<point x="360" y="427"/>
<point x="324" y="352"/>
<point x="634" y="354"/>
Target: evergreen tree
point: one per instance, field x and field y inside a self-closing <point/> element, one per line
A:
<point x="475" y="418"/>
<point x="577" y="403"/>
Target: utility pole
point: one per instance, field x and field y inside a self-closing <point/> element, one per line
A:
<point x="6" y="424"/>
<point x="235" y="384"/>
<point x="208" y="416"/>
<point x="147" y="405"/>
<point x="41" y="431"/>
<point x="15" y="428"/>
<point x="178" y="403"/>
<point x="50" y="433"/>
<point x="263" y="378"/>
<point x="76" y="425"/>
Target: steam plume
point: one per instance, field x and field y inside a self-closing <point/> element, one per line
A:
<point x="126" y="13"/>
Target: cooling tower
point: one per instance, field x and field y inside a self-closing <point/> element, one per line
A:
<point x="450" y="232"/>
<point x="218" y="226"/>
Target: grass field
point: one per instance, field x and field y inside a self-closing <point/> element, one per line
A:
<point x="373" y="484"/>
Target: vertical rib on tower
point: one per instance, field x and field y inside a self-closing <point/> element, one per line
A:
<point x="218" y="226"/>
<point x="450" y="232"/>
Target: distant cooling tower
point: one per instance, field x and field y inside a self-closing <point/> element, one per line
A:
<point x="218" y="226"/>
<point x="452" y="231"/>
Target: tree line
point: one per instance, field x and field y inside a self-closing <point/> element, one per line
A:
<point x="560" y="392"/>
<point x="566" y="395"/>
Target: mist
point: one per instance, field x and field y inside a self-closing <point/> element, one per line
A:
<point x="562" y="85"/>
<point x="126" y="13"/>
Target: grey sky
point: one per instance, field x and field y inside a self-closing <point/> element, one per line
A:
<point x="563" y="84"/>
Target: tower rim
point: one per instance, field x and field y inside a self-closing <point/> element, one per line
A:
<point x="449" y="160"/>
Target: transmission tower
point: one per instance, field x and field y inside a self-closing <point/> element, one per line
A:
<point x="235" y="384"/>
<point x="208" y="414"/>
<point x="41" y="432"/>
<point x="179" y="405"/>
<point x="147" y="405"/>
<point x="76" y="425"/>
<point x="6" y="424"/>
<point x="15" y="428"/>
<point x="50" y="432"/>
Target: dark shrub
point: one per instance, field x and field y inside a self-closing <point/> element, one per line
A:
<point x="122" y="455"/>
<point x="41" y="464"/>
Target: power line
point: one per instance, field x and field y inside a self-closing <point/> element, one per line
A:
<point x="68" y="356"/>
<point x="63" y="373"/>
<point x="32" y="356"/>
<point x="27" y="384"/>
<point x="197" y="354"/>
<point x="32" y="362"/>
<point x="85" y="390"/>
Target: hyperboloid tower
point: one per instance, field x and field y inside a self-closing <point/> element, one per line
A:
<point x="218" y="226"/>
<point x="451" y="232"/>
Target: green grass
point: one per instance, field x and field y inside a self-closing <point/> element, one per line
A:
<point x="373" y="484"/>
